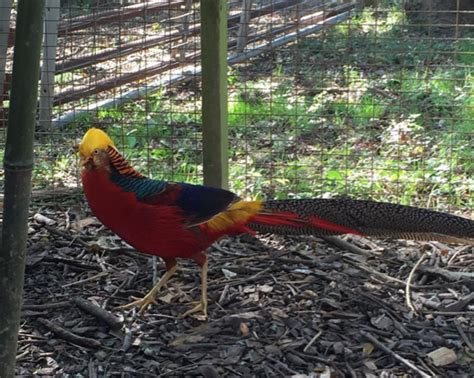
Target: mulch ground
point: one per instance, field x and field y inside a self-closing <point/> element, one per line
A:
<point x="278" y="306"/>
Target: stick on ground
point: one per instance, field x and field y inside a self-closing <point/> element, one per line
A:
<point x="408" y="285"/>
<point x="64" y="334"/>
<point x="111" y="320"/>
<point x="386" y="349"/>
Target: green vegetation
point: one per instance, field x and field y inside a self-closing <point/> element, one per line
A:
<point x="372" y="108"/>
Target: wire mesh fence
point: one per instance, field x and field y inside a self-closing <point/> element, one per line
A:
<point x="326" y="98"/>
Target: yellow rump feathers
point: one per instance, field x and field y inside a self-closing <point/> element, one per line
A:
<point x="237" y="213"/>
<point x="94" y="138"/>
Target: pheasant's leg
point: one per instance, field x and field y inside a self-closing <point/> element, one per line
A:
<point x="202" y="305"/>
<point x="148" y="299"/>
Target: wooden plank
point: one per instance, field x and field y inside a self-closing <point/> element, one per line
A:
<point x="117" y="52"/>
<point x="50" y="40"/>
<point x="143" y="90"/>
<point x="189" y="74"/>
<point x="114" y="15"/>
<point x="5" y="11"/>
<point x="135" y="46"/>
<point x="117" y="15"/>
<point x="104" y="85"/>
<point x="214" y="92"/>
<point x="291" y="37"/>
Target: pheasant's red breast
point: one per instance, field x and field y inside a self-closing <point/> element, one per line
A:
<point x="154" y="229"/>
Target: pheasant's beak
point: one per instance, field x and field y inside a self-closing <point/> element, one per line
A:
<point x="87" y="162"/>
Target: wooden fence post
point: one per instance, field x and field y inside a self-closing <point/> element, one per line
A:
<point x="51" y="19"/>
<point x="214" y="92"/>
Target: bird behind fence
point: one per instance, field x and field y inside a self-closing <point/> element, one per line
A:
<point x="178" y="220"/>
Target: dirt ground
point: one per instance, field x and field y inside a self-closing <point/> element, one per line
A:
<point x="278" y="307"/>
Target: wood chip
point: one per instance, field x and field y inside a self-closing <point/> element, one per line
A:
<point x="302" y="322"/>
<point x="40" y="218"/>
<point x="442" y="356"/>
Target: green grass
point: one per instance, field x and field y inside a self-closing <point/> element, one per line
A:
<point x="371" y="109"/>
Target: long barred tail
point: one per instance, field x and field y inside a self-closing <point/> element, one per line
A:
<point x="342" y="216"/>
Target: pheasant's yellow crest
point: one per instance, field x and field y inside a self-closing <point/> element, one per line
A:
<point x="94" y="138"/>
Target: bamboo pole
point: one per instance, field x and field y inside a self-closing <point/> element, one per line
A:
<point x="18" y="165"/>
<point x="214" y="92"/>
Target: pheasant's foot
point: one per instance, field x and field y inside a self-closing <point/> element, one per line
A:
<point x="201" y="306"/>
<point x="148" y="299"/>
<point x="143" y="303"/>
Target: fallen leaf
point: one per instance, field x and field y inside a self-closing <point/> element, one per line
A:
<point x="78" y="225"/>
<point x="442" y="356"/>
<point x="254" y="297"/>
<point x="367" y="348"/>
<point x="265" y="288"/>
<point x="244" y="329"/>
<point x="228" y="273"/>
<point x="370" y="365"/>
<point x="249" y="289"/>
<point x="40" y="218"/>
<point x="382" y="322"/>
<point x="278" y="313"/>
<point x="166" y="298"/>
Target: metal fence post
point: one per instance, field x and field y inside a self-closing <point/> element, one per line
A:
<point x="214" y="92"/>
<point x="51" y="20"/>
<point x="243" y="33"/>
<point x="5" y="12"/>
